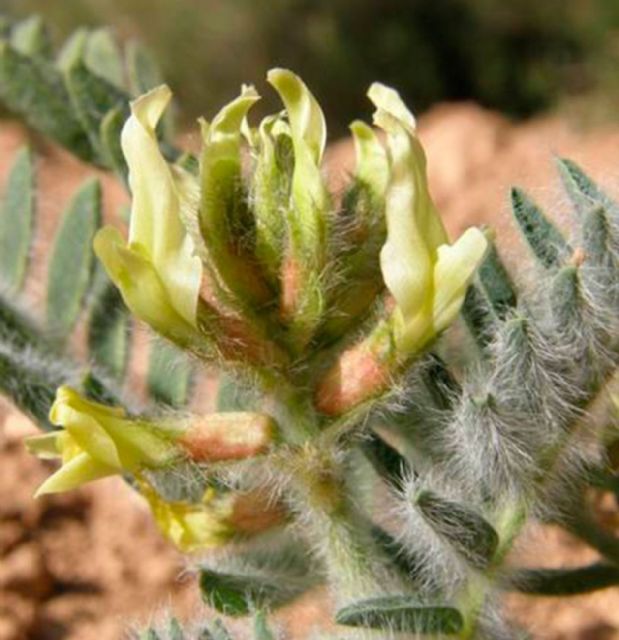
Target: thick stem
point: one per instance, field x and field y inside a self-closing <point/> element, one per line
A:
<point x="339" y="533"/>
<point x="292" y="411"/>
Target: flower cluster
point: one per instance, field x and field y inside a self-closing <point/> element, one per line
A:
<point x="244" y="257"/>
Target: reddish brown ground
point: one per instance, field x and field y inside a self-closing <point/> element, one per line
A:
<point x="85" y="565"/>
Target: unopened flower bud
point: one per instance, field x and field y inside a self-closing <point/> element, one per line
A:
<point x="360" y="373"/>
<point x="228" y="436"/>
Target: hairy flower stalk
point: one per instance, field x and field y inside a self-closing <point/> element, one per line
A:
<point x="343" y="449"/>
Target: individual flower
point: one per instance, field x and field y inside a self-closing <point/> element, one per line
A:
<point x="156" y="270"/>
<point x="223" y="211"/>
<point x="98" y="441"/>
<point x="426" y="275"/>
<point x="219" y="516"/>
<point x="191" y="526"/>
<point x="302" y="302"/>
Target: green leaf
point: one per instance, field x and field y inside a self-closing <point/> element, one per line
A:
<point x="233" y="595"/>
<point x="93" y="98"/>
<point x="600" y="246"/>
<point x="16" y="221"/>
<point x="261" y="629"/>
<point x="264" y="577"/>
<point x="72" y="49"/>
<point x="467" y="532"/>
<point x="478" y="317"/>
<point x="401" y="613"/>
<point x="544" y="239"/>
<point x="31" y="38"/>
<point x="568" y="302"/>
<point x="142" y="70"/>
<point x="94" y="388"/>
<point x="143" y="75"/>
<point x="16" y="328"/>
<point x="109" y="134"/>
<point x="496" y="283"/>
<point x="109" y="329"/>
<point x="103" y="57"/>
<point x="387" y="462"/>
<point x="170" y="375"/>
<point x="565" y="582"/>
<point x="149" y="634"/>
<point x="34" y="89"/>
<point x="582" y="191"/>
<point x="71" y="265"/>
<point x="30" y="380"/>
<point x="440" y="382"/>
<point x="402" y="560"/>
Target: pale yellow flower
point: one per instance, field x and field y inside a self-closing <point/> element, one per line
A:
<point x="156" y="270"/>
<point x="98" y="441"/>
<point x="426" y="275"/>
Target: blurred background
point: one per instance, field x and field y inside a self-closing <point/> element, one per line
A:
<point x="519" y="57"/>
<point x="518" y="76"/>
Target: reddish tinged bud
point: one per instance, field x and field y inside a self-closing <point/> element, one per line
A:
<point x="228" y="436"/>
<point x="254" y="512"/>
<point x="236" y="337"/>
<point x="361" y="372"/>
<point x="291" y="284"/>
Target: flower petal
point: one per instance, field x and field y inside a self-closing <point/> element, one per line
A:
<point x="223" y="210"/>
<point x="109" y="436"/>
<point x="372" y="165"/>
<point x="141" y="287"/>
<point x="191" y="527"/>
<point x="390" y="105"/>
<point x="454" y="271"/>
<point x="307" y="121"/>
<point x="223" y="135"/>
<point x="309" y="135"/>
<point x="414" y="229"/>
<point x="45" y="446"/>
<point x="406" y="259"/>
<point x="78" y="471"/>
<point x="155" y="218"/>
<point x="393" y="116"/>
<point x="68" y="412"/>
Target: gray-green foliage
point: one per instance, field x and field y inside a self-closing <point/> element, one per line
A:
<point x="72" y="260"/>
<point x="78" y="96"/>
<point x="169" y="375"/>
<point x="39" y="354"/>
<point x="16" y="220"/>
<point x="463" y="453"/>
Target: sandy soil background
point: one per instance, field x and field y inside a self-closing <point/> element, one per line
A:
<point x="89" y="564"/>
